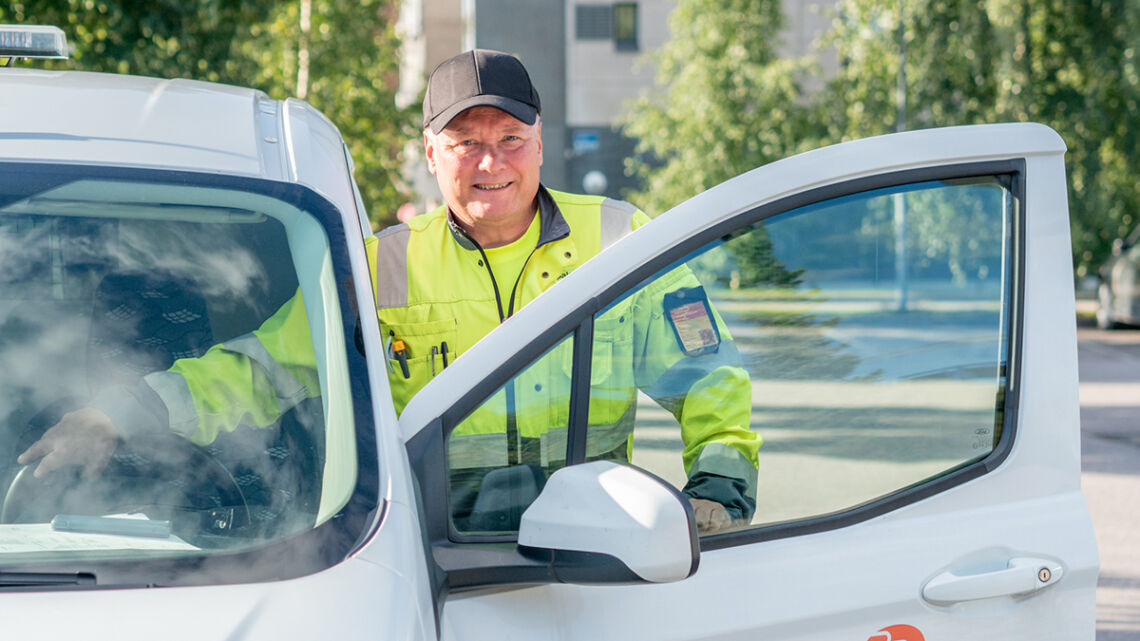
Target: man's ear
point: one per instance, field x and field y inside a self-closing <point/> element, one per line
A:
<point x="429" y="151"/>
<point x="538" y="133"/>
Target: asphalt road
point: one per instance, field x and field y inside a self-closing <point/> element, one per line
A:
<point x="1110" y="439"/>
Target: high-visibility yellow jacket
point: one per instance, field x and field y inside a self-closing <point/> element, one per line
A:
<point x="433" y="286"/>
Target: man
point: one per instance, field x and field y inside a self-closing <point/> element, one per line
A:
<point x="445" y="279"/>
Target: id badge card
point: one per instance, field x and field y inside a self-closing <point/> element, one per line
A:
<point x="688" y="312"/>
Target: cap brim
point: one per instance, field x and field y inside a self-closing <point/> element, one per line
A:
<point x="519" y="110"/>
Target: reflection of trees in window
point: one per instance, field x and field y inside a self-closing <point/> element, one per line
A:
<point x="47" y="257"/>
<point x="793" y="282"/>
<point x="957" y="232"/>
<point x="756" y="265"/>
<point x="795" y="345"/>
<point x="953" y="235"/>
<point x="753" y="289"/>
<point x="953" y="232"/>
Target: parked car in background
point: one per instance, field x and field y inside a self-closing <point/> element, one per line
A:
<point x="1118" y="294"/>
<point x="902" y="306"/>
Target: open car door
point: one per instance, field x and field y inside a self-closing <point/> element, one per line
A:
<point x="901" y="311"/>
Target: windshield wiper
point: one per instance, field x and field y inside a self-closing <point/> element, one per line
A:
<point x="44" y="579"/>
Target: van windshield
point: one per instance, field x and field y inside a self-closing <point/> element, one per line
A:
<point x="178" y="372"/>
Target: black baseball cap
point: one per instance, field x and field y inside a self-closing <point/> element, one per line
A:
<point x="476" y="78"/>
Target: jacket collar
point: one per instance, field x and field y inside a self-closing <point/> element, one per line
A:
<point x="552" y="225"/>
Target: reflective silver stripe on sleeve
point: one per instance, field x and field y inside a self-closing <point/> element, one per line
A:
<point x="552" y="445"/>
<point x="606" y="438"/>
<point x="289" y="390"/>
<point x="490" y="450"/>
<point x="600" y="439"/>
<point x="617" y="221"/>
<point x="172" y="388"/>
<point x="724" y="460"/>
<point x="392" y="267"/>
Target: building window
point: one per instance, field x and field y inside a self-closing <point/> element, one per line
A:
<point x="617" y="22"/>
<point x="625" y="26"/>
<point x="594" y="21"/>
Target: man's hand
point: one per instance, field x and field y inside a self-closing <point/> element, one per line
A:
<point x="711" y="516"/>
<point x="84" y="437"/>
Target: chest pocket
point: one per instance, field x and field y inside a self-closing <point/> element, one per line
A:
<point x="423" y="363"/>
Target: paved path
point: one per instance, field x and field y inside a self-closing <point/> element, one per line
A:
<point x="1110" y="438"/>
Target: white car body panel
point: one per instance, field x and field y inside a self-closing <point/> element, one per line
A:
<point x="845" y="583"/>
<point x="306" y="608"/>
<point x="134" y="121"/>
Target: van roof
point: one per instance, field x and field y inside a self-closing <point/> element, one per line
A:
<point x="97" y="118"/>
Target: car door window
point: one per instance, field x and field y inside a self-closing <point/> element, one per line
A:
<point x="872" y="330"/>
<point x="798" y="366"/>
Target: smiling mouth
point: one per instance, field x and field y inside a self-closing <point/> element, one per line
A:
<point x="494" y="187"/>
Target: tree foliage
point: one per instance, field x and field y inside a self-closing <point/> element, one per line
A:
<point x="352" y="48"/>
<point x="727" y="104"/>
<point x="1068" y="65"/>
<point x="353" y="77"/>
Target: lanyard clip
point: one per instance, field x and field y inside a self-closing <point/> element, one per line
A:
<point x="400" y="351"/>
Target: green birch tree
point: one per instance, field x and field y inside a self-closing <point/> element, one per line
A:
<point x="1070" y="65"/>
<point x="351" y="47"/>
<point x="725" y="101"/>
<point x="352" y="77"/>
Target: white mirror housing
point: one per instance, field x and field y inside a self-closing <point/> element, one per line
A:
<point x="618" y="511"/>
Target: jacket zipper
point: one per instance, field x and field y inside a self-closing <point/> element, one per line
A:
<point x="513" y="440"/>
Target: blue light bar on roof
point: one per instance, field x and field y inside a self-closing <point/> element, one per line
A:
<point x="25" y="41"/>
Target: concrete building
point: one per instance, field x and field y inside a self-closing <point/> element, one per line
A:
<point x="586" y="58"/>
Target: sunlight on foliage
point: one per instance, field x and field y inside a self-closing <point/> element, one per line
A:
<point x="353" y="49"/>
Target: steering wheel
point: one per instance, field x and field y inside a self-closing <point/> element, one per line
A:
<point x="165" y="477"/>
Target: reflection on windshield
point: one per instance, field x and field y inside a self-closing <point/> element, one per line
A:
<point x="183" y="332"/>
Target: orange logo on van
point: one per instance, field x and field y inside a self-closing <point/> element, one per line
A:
<point x="898" y="633"/>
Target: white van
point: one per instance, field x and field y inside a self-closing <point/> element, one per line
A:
<point x="903" y="306"/>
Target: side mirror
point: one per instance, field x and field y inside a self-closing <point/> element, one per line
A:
<point x="608" y="523"/>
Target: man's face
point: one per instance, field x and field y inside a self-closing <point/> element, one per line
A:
<point x="487" y="165"/>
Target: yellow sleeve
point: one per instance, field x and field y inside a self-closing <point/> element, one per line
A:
<point x="250" y="380"/>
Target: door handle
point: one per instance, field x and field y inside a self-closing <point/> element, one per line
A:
<point x="1021" y="576"/>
